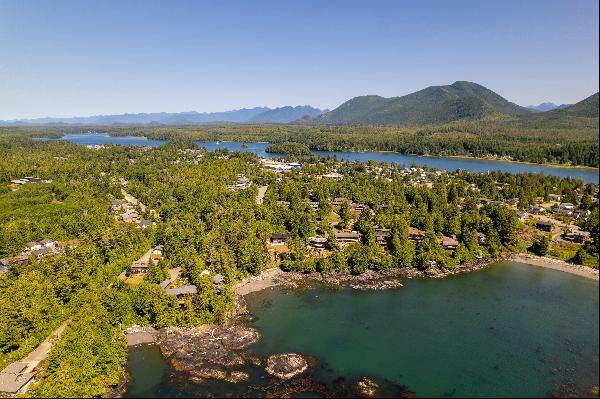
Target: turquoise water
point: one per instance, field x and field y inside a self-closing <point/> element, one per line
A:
<point x="443" y="163"/>
<point x="510" y="330"/>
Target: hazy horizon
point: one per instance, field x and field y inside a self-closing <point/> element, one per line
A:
<point x="75" y="59"/>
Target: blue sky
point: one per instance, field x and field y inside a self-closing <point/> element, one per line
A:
<point x="67" y="58"/>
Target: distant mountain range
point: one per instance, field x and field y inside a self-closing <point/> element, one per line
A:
<point x="441" y="104"/>
<point x="435" y="104"/>
<point x="245" y="115"/>
<point x="543" y="107"/>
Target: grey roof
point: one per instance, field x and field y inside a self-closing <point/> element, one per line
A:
<point x="218" y="279"/>
<point x="165" y="283"/>
<point x="186" y="289"/>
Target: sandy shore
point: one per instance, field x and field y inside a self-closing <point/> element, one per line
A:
<point x="267" y="279"/>
<point x="555" y="264"/>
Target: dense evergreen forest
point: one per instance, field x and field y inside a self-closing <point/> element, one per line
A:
<point x="552" y="138"/>
<point x="207" y="229"/>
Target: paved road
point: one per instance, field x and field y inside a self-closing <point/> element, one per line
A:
<point x="40" y="353"/>
<point x="261" y="194"/>
<point x="131" y="199"/>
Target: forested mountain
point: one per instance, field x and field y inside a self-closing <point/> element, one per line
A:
<point x="244" y="115"/>
<point x="543" y="107"/>
<point x="286" y="114"/>
<point x="435" y="104"/>
<point x="586" y="108"/>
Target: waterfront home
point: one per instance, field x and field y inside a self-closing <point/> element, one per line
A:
<point x="317" y="242"/>
<point x="416" y="235"/>
<point x="575" y="235"/>
<point x="382" y="236"/>
<point x="344" y="237"/>
<point x="544" y="225"/>
<point x="278" y="238"/>
<point x="181" y="292"/>
<point x="449" y="243"/>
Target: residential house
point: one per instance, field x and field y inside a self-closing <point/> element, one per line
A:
<point x="544" y="225"/>
<point x="144" y="224"/>
<point x="537" y="209"/>
<point x="130" y="216"/>
<point x="346" y="238"/>
<point x="522" y="215"/>
<point x="278" y="238"/>
<point x="575" y="235"/>
<point x="581" y="214"/>
<point x="333" y="175"/>
<point x="181" y="292"/>
<point x="337" y="201"/>
<point x="382" y="236"/>
<point x="140" y="267"/>
<point x="317" y="242"/>
<point x="416" y="235"/>
<point x="554" y="197"/>
<point x="449" y="243"/>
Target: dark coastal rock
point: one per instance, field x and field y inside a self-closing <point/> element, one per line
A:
<point x="286" y="366"/>
<point x="367" y="387"/>
<point x="208" y="352"/>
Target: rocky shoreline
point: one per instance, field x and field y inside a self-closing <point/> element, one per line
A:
<point x="369" y="280"/>
<point x="220" y="353"/>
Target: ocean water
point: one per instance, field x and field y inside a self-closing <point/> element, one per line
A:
<point x="509" y="330"/>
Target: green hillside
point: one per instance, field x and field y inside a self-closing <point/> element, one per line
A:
<point x="586" y="108"/>
<point x="435" y="104"/>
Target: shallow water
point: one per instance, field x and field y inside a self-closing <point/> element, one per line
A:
<point x="509" y="330"/>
